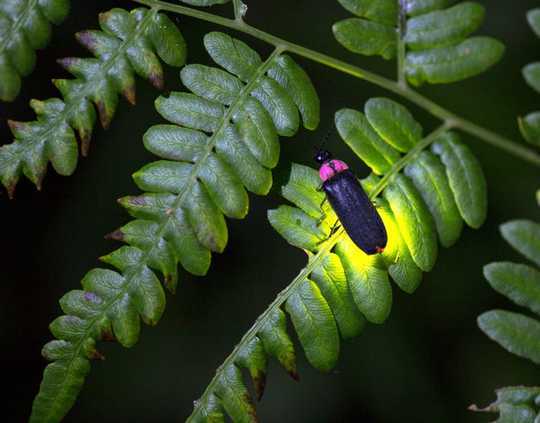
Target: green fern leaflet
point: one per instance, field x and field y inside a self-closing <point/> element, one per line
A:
<point x="529" y="125"/>
<point x="129" y="43"/>
<point x="222" y="140"/>
<point x="25" y="26"/>
<point x="342" y="288"/>
<point x="432" y="39"/>
<point x="517" y="333"/>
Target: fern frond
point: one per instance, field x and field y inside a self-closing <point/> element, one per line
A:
<point x="223" y="140"/>
<point x="520" y="283"/>
<point x="25" y="26"/>
<point x="517" y="333"/>
<point x="129" y="43"/>
<point x="341" y="287"/>
<point x="529" y="125"/>
<point x="430" y="37"/>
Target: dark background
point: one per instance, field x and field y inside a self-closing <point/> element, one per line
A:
<point x="426" y="364"/>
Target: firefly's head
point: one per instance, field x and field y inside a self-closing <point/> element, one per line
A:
<point x="323" y="156"/>
<point x="329" y="167"/>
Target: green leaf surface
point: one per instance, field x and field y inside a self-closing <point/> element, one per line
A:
<point x="419" y="7"/>
<point x="299" y="229"/>
<point x="524" y="236"/>
<point x="211" y="83"/>
<point x="394" y="123"/>
<point x="234" y="396"/>
<point x="444" y="28"/>
<point x="128" y="43"/>
<point x="277" y="343"/>
<point x="208" y="411"/>
<point x="302" y="190"/>
<point x="533" y="17"/>
<point x="414" y="221"/>
<point x="368" y="281"/>
<point x="70" y="374"/>
<point x="256" y="130"/>
<point x="366" y="37"/>
<point x="433" y="36"/>
<point x="429" y="177"/>
<point x="296" y="82"/>
<point x="233" y="55"/>
<point x="253" y="358"/>
<point x="315" y="325"/>
<point x="330" y="278"/>
<point x="518" y="394"/>
<point x="355" y="130"/>
<point x="401" y="266"/>
<point x="518" y="282"/>
<point x="529" y="126"/>
<point x="382" y="11"/>
<point x="514" y="404"/>
<point x="531" y="73"/>
<point x="25" y="26"/>
<point x="516" y="414"/>
<point x="454" y="63"/>
<point x="516" y="333"/>
<point x="465" y="177"/>
<point x="279" y="104"/>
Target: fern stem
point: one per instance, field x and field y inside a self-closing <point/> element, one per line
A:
<point x="262" y="319"/>
<point x="405" y="160"/>
<point x="314" y="260"/>
<point x="401" y="50"/>
<point x="481" y="133"/>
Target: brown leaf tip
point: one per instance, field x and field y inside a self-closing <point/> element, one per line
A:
<point x="96" y="355"/>
<point x="107" y="335"/>
<point x="105" y="117"/>
<point x="14" y="124"/>
<point x="66" y="62"/>
<point x="259" y="382"/>
<point x="130" y="95"/>
<point x="86" y="39"/>
<point x="11" y="190"/>
<point x="117" y="235"/>
<point x="294" y="374"/>
<point x="156" y="79"/>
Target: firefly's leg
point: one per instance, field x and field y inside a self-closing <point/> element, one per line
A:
<point x="335" y="227"/>
<point x="323" y="214"/>
<point x="333" y="230"/>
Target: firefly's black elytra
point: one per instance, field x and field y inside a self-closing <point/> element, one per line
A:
<point x="353" y="207"/>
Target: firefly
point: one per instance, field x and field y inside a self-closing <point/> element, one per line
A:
<point x="353" y="207"/>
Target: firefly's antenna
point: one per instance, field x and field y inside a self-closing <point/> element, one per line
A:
<point x="325" y="139"/>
